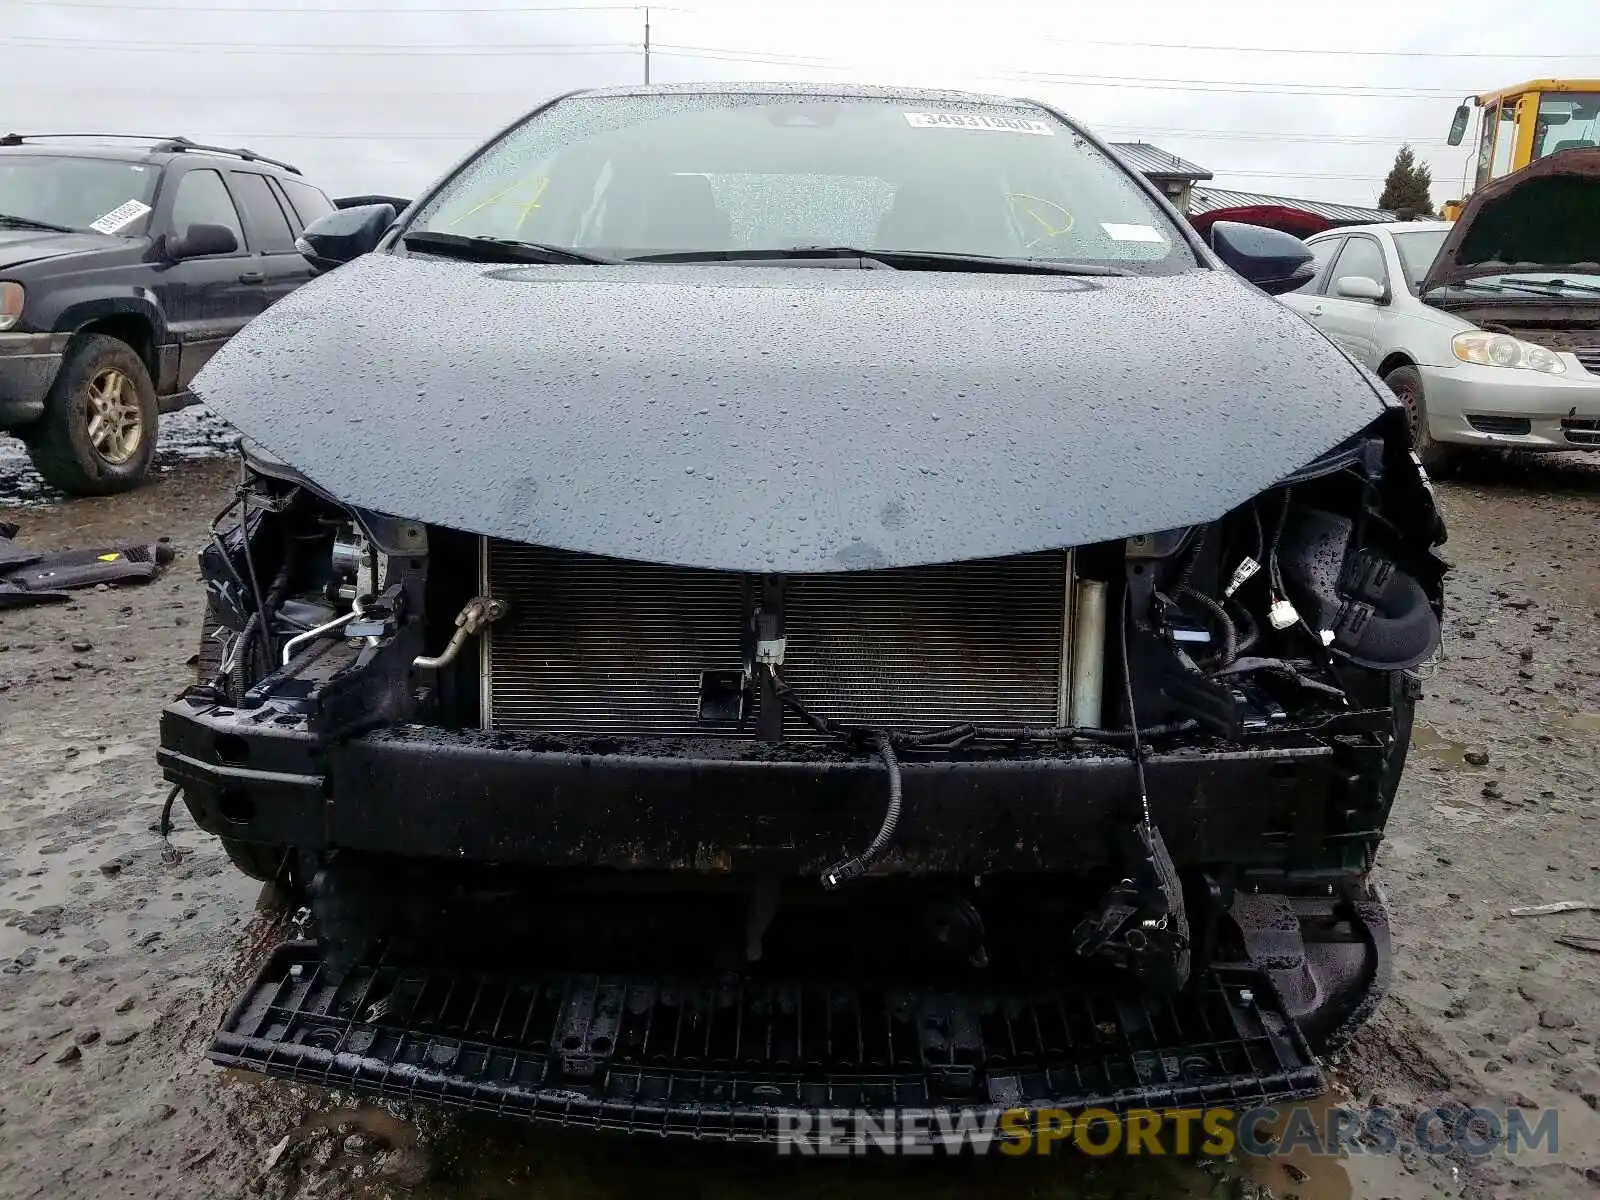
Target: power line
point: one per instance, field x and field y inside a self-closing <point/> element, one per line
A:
<point x="519" y="9"/>
<point x="1263" y="87"/>
<point x="1308" y="52"/>
<point x="798" y="59"/>
<point x="389" y="11"/>
<point x="1286" y="175"/>
<point x="480" y="137"/>
<point x="554" y="49"/>
<point x="464" y="48"/>
<point x="1108" y="129"/>
<point x="1432" y="141"/>
<point x="665" y="50"/>
<point x="1219" y="134"/>
<point x="715" y="54"/>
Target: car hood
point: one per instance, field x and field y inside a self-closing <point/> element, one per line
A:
<point x="1295" y="221"/>
<point x="18" y="246"/>
<point x="780" y="418"/>
<point x="1545" y="217"/>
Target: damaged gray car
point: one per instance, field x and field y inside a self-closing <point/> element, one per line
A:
<point x="749" y="599"/>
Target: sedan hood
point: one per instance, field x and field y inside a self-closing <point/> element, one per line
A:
<point x="1545" y="217"/>
<point x="1296" y="221"/>
<point x="785" y="419"/>
<point x="18" y="246"/>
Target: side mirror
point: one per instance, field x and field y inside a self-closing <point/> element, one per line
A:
<point x="1458" y="124"/>
<point x="199" y="241"/>
<point x="1360" y="287"/>
<point x="345" y="234"/>
<point x="1275" y="262"/>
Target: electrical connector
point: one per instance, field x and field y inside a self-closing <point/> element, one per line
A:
<point x="1241" y="575"/>
<point x="1282" y="614"/>
<point x="770" y="642"/>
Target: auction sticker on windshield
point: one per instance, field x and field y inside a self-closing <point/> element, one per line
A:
<point x="1131" y="233"/>
<point x="992" y="124"/>
<point x="120" y="217"/>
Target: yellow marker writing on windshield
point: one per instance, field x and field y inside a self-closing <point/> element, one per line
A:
<point x="539" y="186"/>
<point x="538" y="192"/>
<point x="1051" y="229"/>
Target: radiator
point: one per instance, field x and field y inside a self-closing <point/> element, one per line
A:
<point x="595" y="645"/>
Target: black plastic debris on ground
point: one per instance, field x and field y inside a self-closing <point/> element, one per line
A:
<point x="723" y="1060"/>
<point x="29" y="576"/>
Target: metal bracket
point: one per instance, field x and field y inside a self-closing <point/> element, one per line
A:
<point x="1140" y="924"/>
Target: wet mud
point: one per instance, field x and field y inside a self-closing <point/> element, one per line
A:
<point x="119" y="952"/>
<point x="190" y="435"/>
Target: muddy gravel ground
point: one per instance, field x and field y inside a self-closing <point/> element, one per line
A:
<point x="117" y="954"/>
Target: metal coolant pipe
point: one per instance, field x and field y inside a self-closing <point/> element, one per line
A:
<point x="1088" y="654"/>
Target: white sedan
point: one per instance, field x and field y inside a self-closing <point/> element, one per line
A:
<point x="1491" y="358"/>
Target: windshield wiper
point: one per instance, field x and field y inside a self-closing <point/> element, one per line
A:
<point x="30" y="223"/>
<point x="1539" y="287"/>
<point x="493" y="249"/>
<point x="899" y="259"/>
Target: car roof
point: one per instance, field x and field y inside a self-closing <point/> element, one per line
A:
<point x="127" y="154"/>
<point x="841" y="90"/>
<point x="1384" y="227"/>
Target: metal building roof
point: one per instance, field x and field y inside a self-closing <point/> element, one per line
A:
<point x="1153" y="160"/>
<point x="1209" y="199"/>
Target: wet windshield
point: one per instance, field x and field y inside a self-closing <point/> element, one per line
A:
<point x="1417" y="252"/>
<point x="1567" y="121"/>
<point x="76" y="193"/>
<point x="624" y="176"/>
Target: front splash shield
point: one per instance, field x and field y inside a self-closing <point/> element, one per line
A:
<point x="724" y="1061"/>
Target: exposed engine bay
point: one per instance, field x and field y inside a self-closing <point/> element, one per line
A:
<point x="1174" y="753"/>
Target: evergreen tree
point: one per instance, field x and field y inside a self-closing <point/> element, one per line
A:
<point x="1406" y="187"/>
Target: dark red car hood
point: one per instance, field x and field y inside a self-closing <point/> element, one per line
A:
<point x="1294" y="221"/>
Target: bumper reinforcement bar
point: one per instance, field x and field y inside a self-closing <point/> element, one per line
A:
<point x="725" y="1061"/>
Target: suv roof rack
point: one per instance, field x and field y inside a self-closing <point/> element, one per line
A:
<point x="16" y="139"/>
<point x="178" y="145"/>
<point x="159" y="144"/>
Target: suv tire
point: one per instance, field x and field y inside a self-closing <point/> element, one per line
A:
<point x="98" y="432"/>
<point x="1437" y="458"/>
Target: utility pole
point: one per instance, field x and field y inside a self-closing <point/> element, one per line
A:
<point x="647" y="43"/>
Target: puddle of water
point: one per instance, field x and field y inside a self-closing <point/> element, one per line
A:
<point x="1582" y="722"/>
<point x="1428" y="741"/>
<point x="1309" y="1176"/>
<point x="183" y="436"/>
<point x="379" y="1122"/>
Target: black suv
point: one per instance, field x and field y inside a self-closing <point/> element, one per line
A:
<point x="124" y="265"/>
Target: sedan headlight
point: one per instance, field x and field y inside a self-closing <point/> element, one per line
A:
<point x="1502" y="350"/>
<point x="11" y="295"/>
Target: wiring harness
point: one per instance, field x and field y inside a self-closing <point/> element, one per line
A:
<point x="888" y="744"/>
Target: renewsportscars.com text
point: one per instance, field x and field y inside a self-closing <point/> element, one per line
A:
<point x="1475" y="1132"/>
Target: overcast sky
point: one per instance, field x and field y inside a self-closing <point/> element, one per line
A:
<point x="374" y="97"/>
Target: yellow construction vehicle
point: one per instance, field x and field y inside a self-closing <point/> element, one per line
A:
<point x="1525" y="122"/>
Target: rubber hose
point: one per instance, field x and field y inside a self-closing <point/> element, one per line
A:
<point x="1230" y="635"/>
<point x="1252" y="631"/>
<point x="853" y="868"/>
